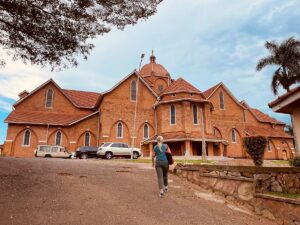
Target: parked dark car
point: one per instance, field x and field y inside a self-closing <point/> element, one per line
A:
<point x="86" y="152"/>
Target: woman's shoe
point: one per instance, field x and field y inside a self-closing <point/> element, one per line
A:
<point x="161" y="195"/>
<point x="166" y="189"/>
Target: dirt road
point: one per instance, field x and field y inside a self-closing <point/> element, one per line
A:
<point x="64" y="191"/>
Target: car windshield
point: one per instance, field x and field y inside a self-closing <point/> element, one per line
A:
<point x="106" y="144"/>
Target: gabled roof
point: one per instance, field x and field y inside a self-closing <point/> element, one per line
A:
<point x="124" y="79"/>
<point x="80" y="99"/>
<point x="83" y="99"/>
<point x="46" y="118"/>
<point x="181" y="85"/>
<point x="266" y="131"/>
<point x="262" y="117"/>
<point x="209" y="92"/>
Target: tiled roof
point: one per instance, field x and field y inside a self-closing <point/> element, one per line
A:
<point x="286" y="95"/>
<point x="267" y="132"/>
<point x="36" y="117"/>
<point x="209" y="91"/>
<point x="180" y="135"/>
<point x="181" y="85"/>
<point x="264" y="117"/>
<point x="82" y="99"/>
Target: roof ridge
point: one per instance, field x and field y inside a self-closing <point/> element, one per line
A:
<point x="64" y="89"/>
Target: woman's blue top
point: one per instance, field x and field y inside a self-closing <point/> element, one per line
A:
<point x="161" y="155"/>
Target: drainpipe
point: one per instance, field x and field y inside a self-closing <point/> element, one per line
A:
<point x="47" y="133"/>
<point x="203" y="136"/>
<point x="98" y="125"/>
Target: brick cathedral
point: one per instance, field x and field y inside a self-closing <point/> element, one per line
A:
<point x="175" y="109"/>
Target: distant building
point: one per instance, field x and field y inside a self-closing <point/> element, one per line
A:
<point x="173" y="109"/>
<point x="289" y="103"/>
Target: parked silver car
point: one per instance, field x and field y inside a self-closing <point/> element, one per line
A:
<point x="110" y="149"/>
<point x="49" y="151"/>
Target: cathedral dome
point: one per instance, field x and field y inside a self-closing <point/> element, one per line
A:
<point x="154" y="69"/>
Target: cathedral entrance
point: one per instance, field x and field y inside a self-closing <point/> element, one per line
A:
<point x="197" y="148"/>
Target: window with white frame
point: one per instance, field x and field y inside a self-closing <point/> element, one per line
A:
<point x="26" y="138"/>
<point x="269" y="146"/>
<point x="172" y="115"/>
<point x="222" y="104"/>
<point x="58" y="138"/>
<point x="146" y="131"/>
<point x="49" y="98"/>
<point x="119" y="130"/>
<point x="233" y="136"/>
<point x="133" y="90"/>
<point x="195" y="114"/>
<point x="87" y="139"/>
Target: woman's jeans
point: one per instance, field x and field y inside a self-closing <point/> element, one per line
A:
<point x="162" y="168"/>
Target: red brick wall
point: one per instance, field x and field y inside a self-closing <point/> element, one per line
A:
<point x="117" y="106"/>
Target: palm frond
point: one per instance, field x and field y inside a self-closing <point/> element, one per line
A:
<point x="275" y="81"/>
<point x="266" y="61"/>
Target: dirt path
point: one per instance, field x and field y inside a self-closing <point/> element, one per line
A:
<point x="58" y="191"/>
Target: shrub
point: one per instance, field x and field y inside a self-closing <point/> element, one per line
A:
<point x="255" y="146"/>
<point x="295" y="161"/>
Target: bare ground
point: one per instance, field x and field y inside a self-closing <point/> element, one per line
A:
<point x="63" y="191"/>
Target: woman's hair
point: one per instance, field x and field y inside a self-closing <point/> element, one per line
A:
<point x="159" y="139"/>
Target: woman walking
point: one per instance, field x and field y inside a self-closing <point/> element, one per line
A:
<point x="161" y="165"/>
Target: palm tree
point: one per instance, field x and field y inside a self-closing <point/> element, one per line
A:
<point x="287" y="56"/>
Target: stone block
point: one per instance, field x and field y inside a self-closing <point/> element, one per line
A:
<point x="275" y="186"/>
<point x="245" y="191"/>
<point x="229" y="187"/>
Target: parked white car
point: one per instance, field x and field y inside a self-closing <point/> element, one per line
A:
<point x="110" y="149"/>
<point x="48" y="151"/>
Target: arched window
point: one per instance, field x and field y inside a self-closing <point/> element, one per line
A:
<point x="222" y="104"/>
<point x="133" y="90"/>
<point x="58" y="138"/>
<point x="26" y="138"/>
<point x="119" y="130"/>
<point x="233" y="136"/>
<point x="172" y="115"/>
<point x="146" y="131"/>
<point x="87" y="138"/>
<point x="49" y="98"/>
<point x="195" y="114"/>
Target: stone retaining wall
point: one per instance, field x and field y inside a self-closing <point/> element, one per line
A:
<point x="245" y="186"/>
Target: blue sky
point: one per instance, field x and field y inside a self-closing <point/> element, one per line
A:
<point x="203" y="41"/>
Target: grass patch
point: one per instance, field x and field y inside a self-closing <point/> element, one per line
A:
<point x="281" y="162"/>
<point x="283" y="195"/>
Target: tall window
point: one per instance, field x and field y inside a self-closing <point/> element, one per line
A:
<point x="120" y="130"/>
<point x="146" y="131"/>
<point x="269" y="147"/>
<point x="133" y="90"/>
<point x="58" y="138"/>
<point x="222" y="104"/>
<point x="49" y="98"/>
<point x="173" y="115"/>
<point x="87" y="138"/>
<point x="233" y="135"/>
<point x="195" y="114"/>
<point x="26" y="138"/>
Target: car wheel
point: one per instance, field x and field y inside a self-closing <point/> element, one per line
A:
<point x="47" y="156"/>
<point x="135" y="155"/>
<point x="83" y="156"/>
<point x="108" y="155"/>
